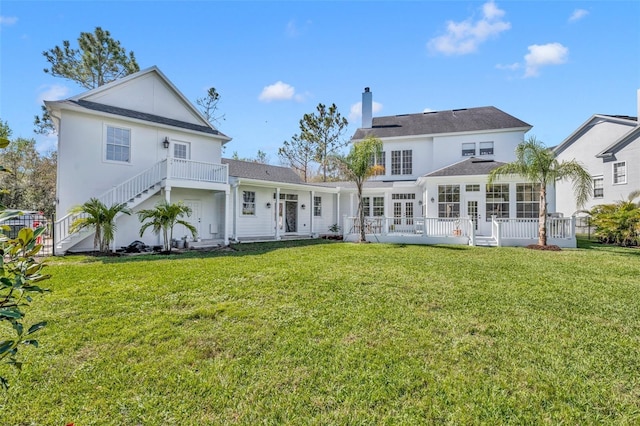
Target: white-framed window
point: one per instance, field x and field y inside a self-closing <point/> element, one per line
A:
<point x="118" y="144"/>
<point x="378" y="160"/>
<point x="181" y="150"/>
<point x="472" y="187"/>
<point x="402" y="162"/>
<point x="373" y="205"/>
<point x="448" y="200"/>
<point x="486" y="148"/>
<point x="468" y="149"/>
<point x="620" y="172"/>
<point x="497" y="201"/>
<point x="317" y="206"/>
<point x="248" y="203"/>
<point x="598" y="187"/>
<point x="528" y="200"/>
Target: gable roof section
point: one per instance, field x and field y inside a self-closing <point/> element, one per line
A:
<point x="595" y="119"/>
<point x="259" y="171"/>
<point x="94" y="106"/>
<point x="88" y="100"/>
<point x="471" y="166"/>
<point x="632" y="136"/>
<point x="442" y="122"/>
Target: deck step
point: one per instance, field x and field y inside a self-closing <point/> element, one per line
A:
<point x="486" y="241"/>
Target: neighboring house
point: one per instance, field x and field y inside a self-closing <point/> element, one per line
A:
<point x="139" y="140"/>
<point x="608" y="146"/>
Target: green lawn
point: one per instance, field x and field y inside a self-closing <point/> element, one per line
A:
<point x="337" y="333"/>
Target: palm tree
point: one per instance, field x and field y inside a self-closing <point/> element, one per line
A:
<point x="163" y="217"/>
<point x="358" y="167"/>
<point x="101" y="218"/>
<point x="538" y="164"/>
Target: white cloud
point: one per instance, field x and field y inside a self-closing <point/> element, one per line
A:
<point x="465" y="37"/>
<point x="52" y="92"/>
<point x="428" y="110"/>
<point x="294" y="30"/>
<point x="355" y="113"/>
<point x="578" y="14"/>
<point x="510" y="67"/>
<point x="278" y="91"/>
<point x="543" y="55"/>
<point x="7" y="20"/>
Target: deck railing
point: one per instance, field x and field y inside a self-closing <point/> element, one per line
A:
<point x="557" y="228"/>
<point x="427" y="226"/>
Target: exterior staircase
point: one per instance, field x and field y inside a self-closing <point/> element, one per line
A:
<point x="133" y="191"/>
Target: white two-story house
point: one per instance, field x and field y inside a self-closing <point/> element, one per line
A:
<point x="436" y="166"/>
<point x="138" y="140"/>
<point x="608" y="146"/>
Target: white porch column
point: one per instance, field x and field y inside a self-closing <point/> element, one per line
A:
<point x="338" y="207"/>
<point x="227" y="197"/>
<point x="277" y="234"/>
<point x="167" y="194"/>
<point x="351" y="213"/>
<point x="311" y="211"/>
<point x="234" y="212"/>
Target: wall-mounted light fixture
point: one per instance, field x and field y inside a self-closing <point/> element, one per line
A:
<point x="420" y="202"/>
<point x="165" y="142"/>
<point x="433" y="199"/>
<point x="268" y="205"/>
<point x="303" y="207"/>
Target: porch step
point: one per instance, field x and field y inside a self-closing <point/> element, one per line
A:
<point x="486" y="241"/>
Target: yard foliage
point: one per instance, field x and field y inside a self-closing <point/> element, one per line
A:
<point x="618" y="223"/>
<point x="337" y="333"/>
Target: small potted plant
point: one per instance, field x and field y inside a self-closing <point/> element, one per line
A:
<point x="456" y="230"/>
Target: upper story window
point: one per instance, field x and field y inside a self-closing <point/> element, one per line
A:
<point x="118" y="144"/>
<point x="317" y="206"/>
<point x="468" y="149"/>
<point x="486" y="148"/>
<point x="248" y="203"/>
<point x="378" y="160"/>
<point x="472" y="187"/>
<point x="620" y="172"/>
<point x="181" y="150"/>
<point x="598" y="187"/>
<point x="402" y="162"/>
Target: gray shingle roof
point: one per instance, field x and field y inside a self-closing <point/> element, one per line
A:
<point x="259" y="171"/>
<point x="95" y="106"/>
<point x="470" y="166"/>
<point x="452" y="121"/>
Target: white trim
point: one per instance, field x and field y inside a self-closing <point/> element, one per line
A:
<point x="105" y="127"/>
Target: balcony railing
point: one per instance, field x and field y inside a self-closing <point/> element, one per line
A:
<point x="427" y="226"/>
<point x="197" y="171"/>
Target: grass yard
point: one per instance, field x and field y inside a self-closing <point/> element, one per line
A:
<point x="336" y="333"/>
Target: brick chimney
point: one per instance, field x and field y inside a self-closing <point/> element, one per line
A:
<point x="367" y="108"/>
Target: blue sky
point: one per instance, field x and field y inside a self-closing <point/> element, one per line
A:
<point x="552" y="64"/>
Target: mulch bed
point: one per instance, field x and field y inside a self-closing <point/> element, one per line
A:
<point x="551" y="247"/>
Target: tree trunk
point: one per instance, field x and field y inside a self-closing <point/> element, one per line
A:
<point x="363" y="236"/>
<point x="542" y="217"/>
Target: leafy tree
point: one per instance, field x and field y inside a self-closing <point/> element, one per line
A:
<point x="357" y="167"/>
<point x="209" y="106"/>
<point x="297" y="154"/>
<point x="261" y="157"/>
<point x="19" y="275"/>
<point x="618" y="223"/>
<point x="95" y="214"/>
<point x="31" y="182"/>
<point x="163" y="217"/>
<point x="319" y="140"/>
<point x="537" y="164"/>
<point x="98" y="60"/>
